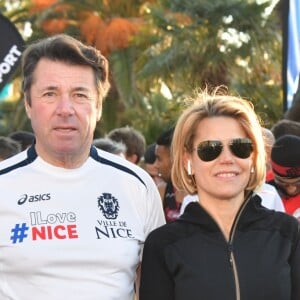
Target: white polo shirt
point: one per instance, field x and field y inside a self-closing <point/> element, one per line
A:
<point x="73" y="233"/>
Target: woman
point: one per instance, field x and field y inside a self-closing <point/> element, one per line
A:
<point x="227" y="245"/>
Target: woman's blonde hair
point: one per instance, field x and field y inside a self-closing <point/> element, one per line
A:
<point x="206" y="105"/>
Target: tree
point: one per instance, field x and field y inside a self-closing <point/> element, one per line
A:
<point x="172" y="46"/>
<point x="205" y="42"/>
<point x="111" y="27"/>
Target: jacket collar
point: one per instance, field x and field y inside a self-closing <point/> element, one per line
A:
<point x="251" y="212"/>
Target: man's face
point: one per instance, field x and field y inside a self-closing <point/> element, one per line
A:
<point x="163" y="162"/>
<point x="291" y="186"/>
<point x="63" y="111"/>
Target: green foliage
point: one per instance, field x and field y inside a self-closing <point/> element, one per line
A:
<point x="13" y="117"/>
<point x="183" y="44"/>
<point x="201" y="43"/>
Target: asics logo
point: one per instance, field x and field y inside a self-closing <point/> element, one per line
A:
<point x="33" y="198"/>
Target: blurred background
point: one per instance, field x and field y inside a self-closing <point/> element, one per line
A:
<point x="159" y="52"/>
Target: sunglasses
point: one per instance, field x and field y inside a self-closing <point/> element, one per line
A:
<point x="210" y="150"/>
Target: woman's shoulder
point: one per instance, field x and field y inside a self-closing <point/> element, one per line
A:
<point x="288" y="225"/>
<point x="168" y="233"/>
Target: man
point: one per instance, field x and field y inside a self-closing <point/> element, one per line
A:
<point x="171" y="198"/>
<point x="25" y="138"/>
<point x="285" y="161"/>
<point x="133" y="140"/>
<point x="73" y="218"/>
<point x="8" y="147"/>
<point x="149" y="164"/>
<point x="110" y="146"/>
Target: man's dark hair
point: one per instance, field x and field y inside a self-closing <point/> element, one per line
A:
<point x="25" y="138"/>
<point x="8" y="147"/>
<point x="69" y="50"/>
<point x="110" y="146"/>
<point x="285" y="126"/>
<point x="149" y="156"/>
<point x="133" y="139"/>
<point x="165" y="139"/>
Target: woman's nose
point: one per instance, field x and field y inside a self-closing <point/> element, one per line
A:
<point x="226" y="154"/>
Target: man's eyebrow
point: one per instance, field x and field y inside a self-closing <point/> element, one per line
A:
<point x="50" y="87"/>
<point x="81" y="88"/>
<point x="74" y="89"/>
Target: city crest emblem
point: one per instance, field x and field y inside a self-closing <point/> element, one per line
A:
<point x="109" y="206"/>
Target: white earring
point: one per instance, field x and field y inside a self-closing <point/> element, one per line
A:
<point x="189" y="168"/>
<point x="252" y="170"/>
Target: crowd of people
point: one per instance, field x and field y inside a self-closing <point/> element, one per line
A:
<point x="208" y="210"/>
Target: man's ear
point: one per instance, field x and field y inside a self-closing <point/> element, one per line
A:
<point x="99" y="110"/>
<point x="27" y="108"/>
<point x="133" y="158"/>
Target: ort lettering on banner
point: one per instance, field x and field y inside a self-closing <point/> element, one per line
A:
<point x="11" y="47"/>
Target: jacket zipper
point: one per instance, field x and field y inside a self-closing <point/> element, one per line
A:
<point x="230" y="246"/>
<point x="235" y="273"/>
<point x="230" y="250"/>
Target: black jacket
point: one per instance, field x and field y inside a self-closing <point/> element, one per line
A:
<point x="190" y="259"/>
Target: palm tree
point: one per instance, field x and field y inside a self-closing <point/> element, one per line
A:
<point x="205" y="42"/>
<point x="176" y="45"/>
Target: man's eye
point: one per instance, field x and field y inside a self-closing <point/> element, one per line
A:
<point x="49" y="94"/>
<point x="81" y="96"/>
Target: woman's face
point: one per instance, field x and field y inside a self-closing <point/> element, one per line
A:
<point x="226" y="176"/>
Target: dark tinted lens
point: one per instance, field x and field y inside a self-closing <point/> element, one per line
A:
<point x="241" y="148"/>
<point x="209" y="150"/>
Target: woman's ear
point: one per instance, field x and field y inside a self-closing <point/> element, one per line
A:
<point x="189" y="167"/>
<point x="27" y="108"/>
<point x="188" y="164"/>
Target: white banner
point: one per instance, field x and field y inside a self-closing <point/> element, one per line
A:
<point x="11" y="48"/>
<point x="293" y="50"/>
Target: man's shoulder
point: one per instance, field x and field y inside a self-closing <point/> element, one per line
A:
<point x="13" y="163"/>
<point x="123" y="166"/>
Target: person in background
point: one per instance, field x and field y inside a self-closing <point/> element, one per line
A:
<point x="110" y="146"/>
<point x="171" y="197"/>
<point x="149" y="164"/>
<point x="268" y="193"/>
<point x="285" y="160"/>
<point x="134" y="141"/>
<point x="73" y="218"/>
<point x="269" y="140"/>
<point x="8" y="147"/>
<point x="25" y="138"/>
<point x="285" y="126"/>
<point x="227" y="245"/>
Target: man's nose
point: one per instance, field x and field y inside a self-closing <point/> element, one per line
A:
<point x="65" y="105"/>
<point x="290" y="188"/>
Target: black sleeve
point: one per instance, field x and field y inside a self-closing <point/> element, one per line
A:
<point x="295" y="269"/>
<point x="156" y="280"/>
